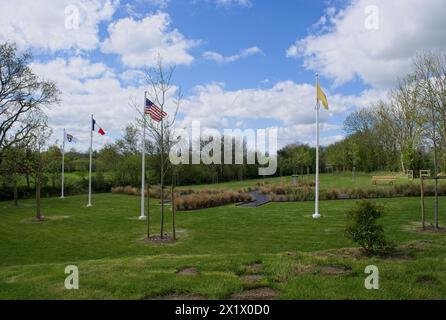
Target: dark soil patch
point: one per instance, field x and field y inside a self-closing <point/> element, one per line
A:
<point x="157" y="239"/>
<point x="356" y="253"/>
<point x="44" y="219"/>
<point x="395" y="255"/>
<point x="334" y="270"/>
<point x="430" y="229"/>
<point x="179" y="296"/>
<point x="427" y="280"/>
<point x="254" y="268"/>
<point x="264" y="293"/>
<point x="35" y="220"/>
<point x="304" y="269"/>
<point x="252" y="278"/>
<point x="359" y="253"/>
<point x="190" y="271"/>
<point x="418" y="244"/>
<point x="328" y="270"/>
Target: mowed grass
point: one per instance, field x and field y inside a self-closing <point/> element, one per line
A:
<point x="341" y="180"/>
<point x="107" y="244"/>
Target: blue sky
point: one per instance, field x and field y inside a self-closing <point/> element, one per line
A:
<point x="240" y="63"/>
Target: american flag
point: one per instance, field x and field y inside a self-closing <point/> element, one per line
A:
<point x="155" y="112"/>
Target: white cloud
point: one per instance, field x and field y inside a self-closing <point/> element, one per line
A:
<point x="347" y="49"/>
<point x="227" y="4"/>
<point x="219" y="58"/>
<point x="157" y="3"/>
<point x="306" y="134"/>
<point x="231" y="3"/>
<point x="290" y="104"/>
<point x="132" y="76"/>
<point x="88" y="88"/>
<point x="139" y="42"/>
<point x="94" y="88"/>
<point x="43" y="24"/>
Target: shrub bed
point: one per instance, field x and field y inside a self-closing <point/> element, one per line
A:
<point x="208" y="199"/>
<point x="188" y="199"/>
<point x="305" y="192"/>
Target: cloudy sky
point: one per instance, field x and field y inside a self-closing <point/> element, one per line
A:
<point x="240" y="63"/>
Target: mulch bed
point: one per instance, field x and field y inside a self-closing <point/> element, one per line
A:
<point x="255" y="267"/>
<point x="191" y="271"/>
<point x="157" y="239"/>
<point x="431" y="229"/>
<point x="44" y="219"/>
<point x="252" y="278"/>
<point x="333" y="270"/>
<point x="328" y="270"/>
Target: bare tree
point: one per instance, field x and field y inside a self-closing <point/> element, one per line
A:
<point x="161" y="92"/>
<point x="22" y="97"/>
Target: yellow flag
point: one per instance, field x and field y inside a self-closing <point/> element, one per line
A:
<point x="322" y="97"/>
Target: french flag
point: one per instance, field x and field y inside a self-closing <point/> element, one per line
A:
<point x="100" y="131"/>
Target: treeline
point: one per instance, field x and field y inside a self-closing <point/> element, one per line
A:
<point x="405" y="132"/>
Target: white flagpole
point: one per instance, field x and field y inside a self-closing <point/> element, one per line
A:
<point x="143" y="160"/>
<point x="316" y="214"/>
<point x="63" y="165"/>
<point x="91" y="160"/>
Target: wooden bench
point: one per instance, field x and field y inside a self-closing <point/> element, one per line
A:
<point x="389" y="179"/>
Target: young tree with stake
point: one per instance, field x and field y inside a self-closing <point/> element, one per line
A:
<point x="160" y="125"/>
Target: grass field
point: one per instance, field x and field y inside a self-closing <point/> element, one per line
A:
<point x="231" y="250"/>
<point x="339" y="180"/>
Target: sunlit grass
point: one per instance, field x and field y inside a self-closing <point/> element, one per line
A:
<point x="106" y="243"/>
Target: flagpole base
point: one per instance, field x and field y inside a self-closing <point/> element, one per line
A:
<point x="62" y="197"/>
<point x="316" y="215"/>
<point x="142" y="218"/>
<point x="89" y="205"/>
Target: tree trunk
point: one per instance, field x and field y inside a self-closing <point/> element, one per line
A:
<point x="162" y="197"/>
<point x="38" y="208"/>
<point x="435" y="170"/>
<point x="436" y="186"/>
<point x="172" y="198"/>
<point x="16" y="194"/>
<point x="403" y="169"/>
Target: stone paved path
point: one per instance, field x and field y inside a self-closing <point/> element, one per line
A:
<point x="260" y="199"/>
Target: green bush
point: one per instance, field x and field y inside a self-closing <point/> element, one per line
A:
<point x="364" y="229"/>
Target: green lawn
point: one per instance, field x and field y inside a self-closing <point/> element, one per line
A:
<point x="106" y="243"/>
<point x="339" y="180"/>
